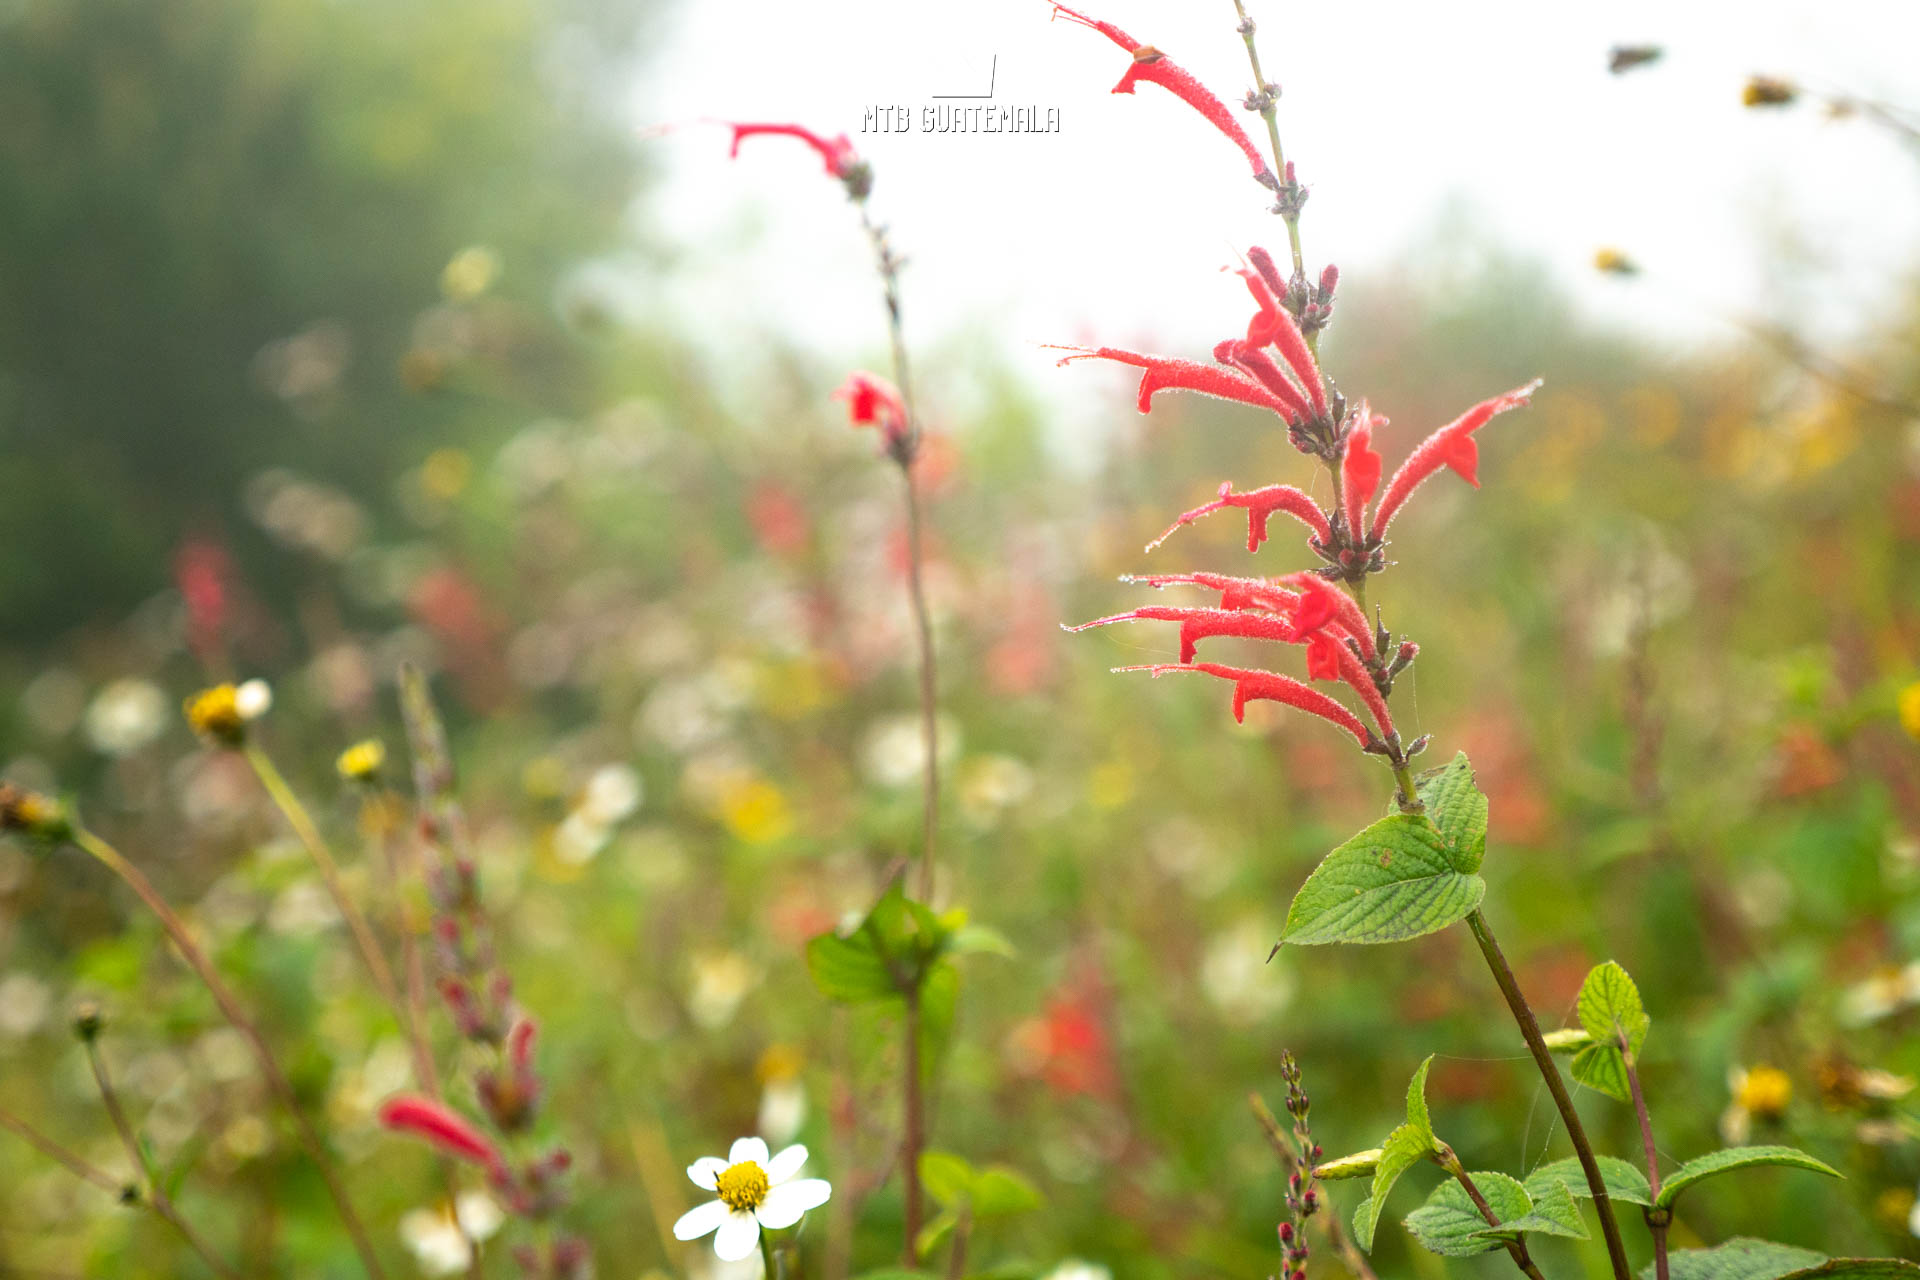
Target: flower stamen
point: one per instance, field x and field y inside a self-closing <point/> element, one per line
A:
<point x="741" y="1187"/>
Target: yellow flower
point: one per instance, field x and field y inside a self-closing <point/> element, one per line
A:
<point x="1765" y="91"/>
<point x="1615" y="263"/>
<point x="361" y="762"/>
<point x="1764" y="1092"/>
<point x="215" y="713"/>
<point x="470" y="273"/>
<point x="1910" y="709"/>
<point x="756" y="811"/>
<point x="31" y="813"/>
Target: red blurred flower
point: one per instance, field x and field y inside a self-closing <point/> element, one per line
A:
<point x="1360" y="470"/>
<point x="872" y="401"/>
<point x="443" y="1127"/>
<point x="202" y="570"/>
<point x="1154" y="67"/>
<point x="778" y="517"/>
<point x="841" y="160"/>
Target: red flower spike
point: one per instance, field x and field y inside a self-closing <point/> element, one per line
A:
<point x="1235" y="593"/>
<point x="1293" y="349"/>
<point x="872" y="401"/>
<point x="1450" y="446"/>
<point x="1200" y="624"/>
<point x="442" y="1126"/>
<point x="1165" y="373"/>
<point x="520" y="1044"/>
<point x="1259" y="504"/>
<point x="1263" y="263"/>
<point x="838" y="152"/>
<point x="1154" y="67"/>
<point x="1345" y="613"/>
<point x="1323" y="657"/>
<point x="1248" y="356"/>
<point x="1255" y="686"/>
<point x="1360" y="473"/>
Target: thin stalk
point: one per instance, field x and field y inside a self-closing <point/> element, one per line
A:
<point x="157" y="1197"/>
<point x="888" y="265"/>
<point x="236" y="1016"/>
<point x="1657" y="1219"/>
<point x="74" y="1164"/>
<point x="1356" y="1261"/>
<point x="916" y="1125"/>
<point x="1550" y="1072"/>
<point x="1517" y="1249"/>
<point x="1270" y="113"/>
<point x="768" y="1259"/>
<point x="957" y="1256"/>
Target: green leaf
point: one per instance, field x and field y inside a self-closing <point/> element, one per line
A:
<point x="1554" y="1214"/>
<point x="1450" y="1225"/>
<point x="1457" y="808"/>
<point x="939" y="994"/>
<point x="1000" y="1192"/>
<point x="1610" y="1008"/>
<point x="1360" y="1164"/>
<point x="1404" y="1148"/>
<point x="1395" y="880"/>
<point x="947" y="1177"/>
<point x="969" y="939"/>
<point x="1736" y="1158"/>
<point x="936" y="1230"/>
<point x="1567" y="1040"/>
<point x="1859" y="1269"/>
<point x="1741" y="1258"/>
<point x="1417" y="1103"/>
<point x="1623" y="1182"/>
<point x="849" y="968"/>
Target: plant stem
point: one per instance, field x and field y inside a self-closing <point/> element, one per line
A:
<point x="74" y="1164"/>
<point x="1517" y="1249"/>
<point x="767" y="1257"/>
<point x="957" y="1256"/>
<point x="1356" y="1261"/>
<point x="1657" y="1219"/>
<point x="1550" y="1072"/>
<point x="1271" y="115"/>
<point x="157" y="1197"/>
<point x="236" y="1016"/>
<point x="915" y="1125"/>
<point x="888" y="266"/>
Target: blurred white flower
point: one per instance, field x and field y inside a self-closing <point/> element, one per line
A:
<point x="302" y="910"/>
<point x="1881" y="996"/>
<point x="612" y="794"/>
<point x="721" y="980"/>
<point x="125" y="716"/>
<point x="253" y="699"/>
<point x="990" y="785"/>
<point x="1075" y="1269"/>
<point x="1237" y="978"/>
<point x="752" y="1190"/>
<point x="437" y="1237"/>
<point x="894" y="752"/>
<point x="24" y="1001"/>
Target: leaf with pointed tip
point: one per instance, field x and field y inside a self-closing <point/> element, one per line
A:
<point x="1417" y="1103"/>
<point x="1451" y="1225"/>
<point x="1610" y="1011"/>
<point x="1715" y="1162"/>
<point x="1000" y="1191"/>
<point x="1395" y="880"/>
<point x="1742" y="1258"/>
<point x="1623" y="1182"/>
<point x="1457" y="808"/>
<point x="948" y="1178"/>
<point x="1404" y="1148"/>
<point x="1554" y="1214"/>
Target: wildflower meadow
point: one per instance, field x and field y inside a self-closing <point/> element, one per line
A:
<point x="536" y="744"/>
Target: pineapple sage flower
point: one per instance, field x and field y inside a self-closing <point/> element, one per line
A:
<point x="752" y="1190"/>
<point x="837" y="152"/>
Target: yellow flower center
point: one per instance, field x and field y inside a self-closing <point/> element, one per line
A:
<point x="1765" y="1092"/>
<point x="215" y="712"/>
<point x="362" y="761"/>
<point x="742" y="1186"/>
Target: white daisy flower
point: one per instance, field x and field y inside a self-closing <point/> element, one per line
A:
<point x="753" y="1190"/>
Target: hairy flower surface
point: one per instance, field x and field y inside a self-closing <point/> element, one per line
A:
<point x="1450" y="446"/>
<point x="752" y="1190"/>
<point x="1258" y="504"/>
<point x="442" y="1126"/>
<point x="1270" y="686"/>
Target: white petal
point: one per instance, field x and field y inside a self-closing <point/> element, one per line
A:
<point x="700" y="1219"/>
<point x="706" y="1172"/>
<point x="784" y="1204"/>
<point x="748" y="1149"/>
<point x="786" y="1163"/>
<point x="253" y="699"/>
<point x="737" y="1238"/>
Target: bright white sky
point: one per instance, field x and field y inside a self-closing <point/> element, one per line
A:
<point x="1116" y="226"/>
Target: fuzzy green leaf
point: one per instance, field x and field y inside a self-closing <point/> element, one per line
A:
<point x="1736" y="1158"/>
<point x="1742" y="1258"/>
<point x="971" y="938"/>
<point x="1623" y="1181"/>
<point x="937" y="1229"/>
<point x="849" y="968"/>
<point x="999" y="1192"/>
<point x="1610" y="1011"/>
<point x="948" y="1178"/>
<point x="1450" y="1225"/>
<point x="1567" y="1040"/>
<point x="1600" y="1067"/>
<point x="1395" y="880"/>
<point x="1360" y="1164"/>
<point x="1859" y="1269"/>
<point x="1554" y="1214"/>
<point x="1457" y="808"/>
<point x="1417" y="1103"/>
<point x="1404" y="1148"/>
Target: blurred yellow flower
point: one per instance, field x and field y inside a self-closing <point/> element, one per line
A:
<point x="1615" y="263"/>
<point x="470" y="273"/>
<point x="222" y="712"/>
<point x="1110" y="785"/>
<point x="361" y="762"/>
<point x="445" y="474"/>
<point x="756" y="811"/>
<point x="1759" y="1093"/>
<point x="1766" y="91"/>
<point x="1910" y="710"/>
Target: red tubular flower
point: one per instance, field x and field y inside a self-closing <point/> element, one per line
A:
<point x="1259" y="504"/>
<point x="1253" y="686"/>
<point x="442" y="1126"/>
<point x="872" y="401"/>
<point x="1235" y="593"/>
<point x="1248" y="356"/>
<point x="1151" y="65"/>
<point x="1199" y="624"/>
<point x="1360" y="472"/>
<point x="1165" y="373"/>
<point x="1293" y="349"/>
<point x="520" y="1044"/>
<point x="1338" y="608"/>
<point x="838" y="152"/>
<point x="1450" y="446"/>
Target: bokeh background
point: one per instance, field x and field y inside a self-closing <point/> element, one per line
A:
<point x="335" y="335"/>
